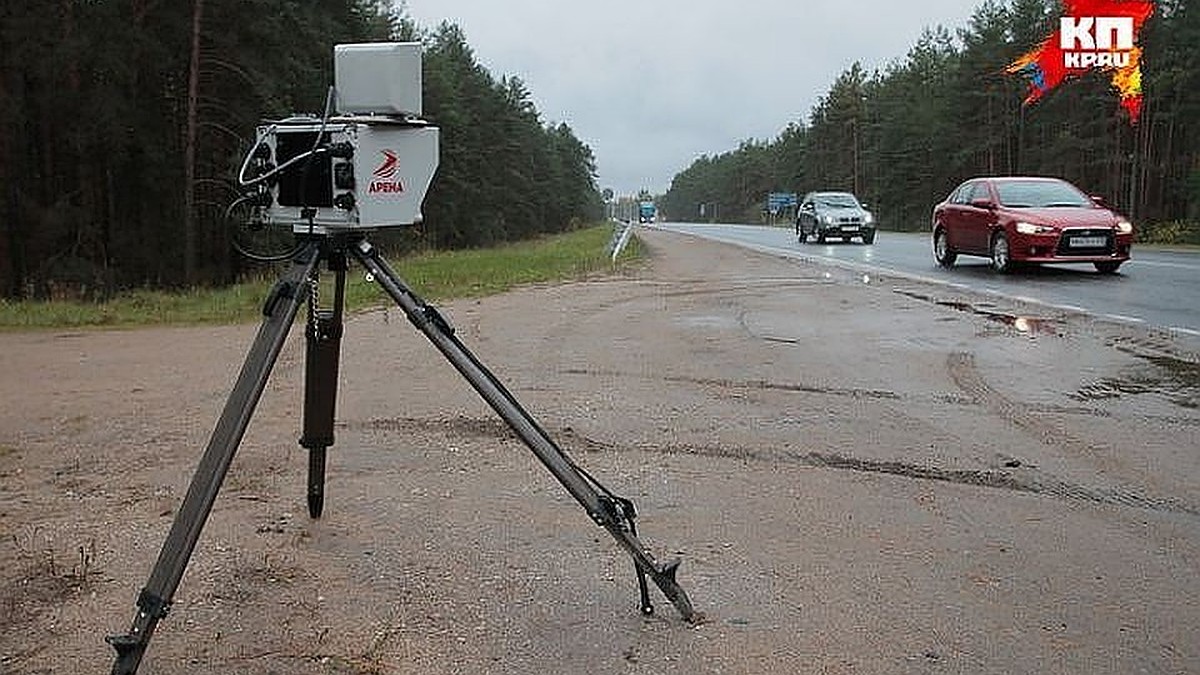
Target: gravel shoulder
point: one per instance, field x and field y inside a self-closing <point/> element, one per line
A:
<point x="861" y="475"/>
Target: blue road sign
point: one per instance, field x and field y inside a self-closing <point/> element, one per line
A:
<point x="778" y="200"/>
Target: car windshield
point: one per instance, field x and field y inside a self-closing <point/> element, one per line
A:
<point x="837" y="201"/>
<point x="1040" y="194"/>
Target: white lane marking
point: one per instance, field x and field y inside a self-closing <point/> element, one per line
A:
<point x="1124" y="318"/>
<point x="1156" y="263"/>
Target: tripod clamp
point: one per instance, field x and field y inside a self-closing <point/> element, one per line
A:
<point x="323" y="345"/>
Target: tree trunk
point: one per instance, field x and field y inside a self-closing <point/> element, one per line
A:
<point x="189" y="152"/>
<point x="8" y="197"/>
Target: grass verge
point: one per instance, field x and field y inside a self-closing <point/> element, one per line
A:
<point x="1170" y="233"/>
<point x="435" y="276"/>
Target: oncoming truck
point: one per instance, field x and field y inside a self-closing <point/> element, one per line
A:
<point x="647" y="212"/>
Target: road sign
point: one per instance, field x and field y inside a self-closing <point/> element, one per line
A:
<point x="777" y="202"/>
<point x="781" y="200"/>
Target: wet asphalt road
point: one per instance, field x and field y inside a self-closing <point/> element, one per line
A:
<point x="1159" y="287"/>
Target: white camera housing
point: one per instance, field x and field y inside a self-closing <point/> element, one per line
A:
<point x="378" y="78"/>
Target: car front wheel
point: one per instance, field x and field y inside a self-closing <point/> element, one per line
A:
<point x="1001" y="259"/>
<point x="942" y="252"/>
<point x="869" y="237"/>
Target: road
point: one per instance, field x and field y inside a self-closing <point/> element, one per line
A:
<point x="1158" y="288"/>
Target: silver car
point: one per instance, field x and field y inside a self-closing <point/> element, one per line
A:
<point x="825" y="215"/>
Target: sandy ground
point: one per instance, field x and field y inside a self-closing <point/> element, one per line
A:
<point x="861" y="475"/>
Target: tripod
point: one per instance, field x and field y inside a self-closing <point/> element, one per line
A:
<point x="323" y="348"/>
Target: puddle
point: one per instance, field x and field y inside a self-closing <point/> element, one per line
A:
<point x="1175" y="379"/>
<point x="1026" y="325"/>
<point x="1034" y="325"/>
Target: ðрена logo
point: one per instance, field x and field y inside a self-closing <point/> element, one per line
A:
<point x="385" y="176"/>
<point x="1093" y="34"/>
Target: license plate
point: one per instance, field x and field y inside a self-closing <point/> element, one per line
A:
<point x="1087" y="242"/>
<point x="849" y="228"/>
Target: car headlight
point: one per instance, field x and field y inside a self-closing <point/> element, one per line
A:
<point x="868" y="218"/>
<point x="828" y="220"/>
<point x="1124" y="227"/>
<point x="1030" y="228"/>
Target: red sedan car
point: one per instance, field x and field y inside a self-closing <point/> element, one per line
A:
<point x="1017" y="220"/>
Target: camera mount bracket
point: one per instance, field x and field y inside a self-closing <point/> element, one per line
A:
<point x="323" y="346"/>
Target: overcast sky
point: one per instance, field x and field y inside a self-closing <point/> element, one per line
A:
<point x="651" y="85"/>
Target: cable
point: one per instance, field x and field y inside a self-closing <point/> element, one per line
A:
<point x="325" y="114"/>
<point x="305" y="157"/>
<point x="316" y="147"/>
<point x="250" y="156"/>
<point x="254" y="255"/>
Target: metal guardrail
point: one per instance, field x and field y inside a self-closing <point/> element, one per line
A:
<point x="621" y="233"/>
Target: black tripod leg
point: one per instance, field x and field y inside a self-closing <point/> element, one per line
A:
<point x="323" y="342"/>
<point x="604" y="510"/>
<point x="155" y="599"/>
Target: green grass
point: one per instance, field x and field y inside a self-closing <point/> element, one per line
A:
<point x="1170" y="233"/>
<point x="434" y="276"/>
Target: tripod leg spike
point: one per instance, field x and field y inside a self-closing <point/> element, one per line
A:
<point x="316" y="482"/>
<point x="644" y="590"/>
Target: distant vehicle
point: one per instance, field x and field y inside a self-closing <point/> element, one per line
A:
<point x="1017" y="220"/>
<point x="822" y="215"/>
<point x="647" y="212"/>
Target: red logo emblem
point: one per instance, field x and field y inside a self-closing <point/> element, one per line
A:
<point x="386" y="178"/>
<point x="387" y="170"/>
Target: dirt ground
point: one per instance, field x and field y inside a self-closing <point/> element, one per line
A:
<point x="860" y="474"/>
